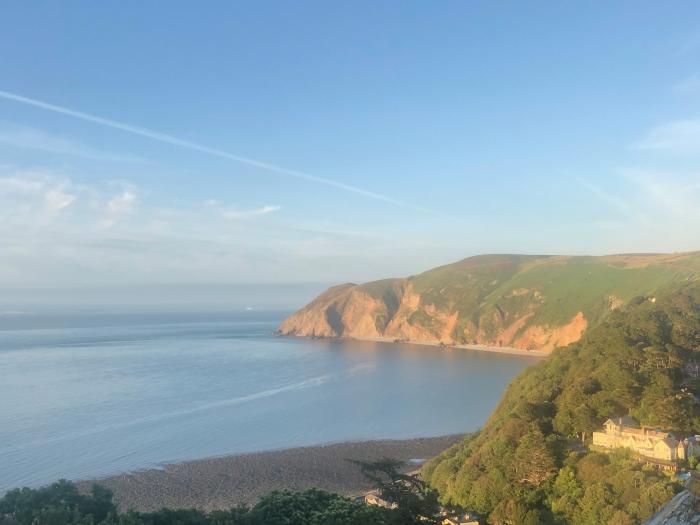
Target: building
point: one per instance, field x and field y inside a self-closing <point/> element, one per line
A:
<point x="692" y="446"/>
<point x="373" y="498"/>
<point x="461" y="519"/>
<point x="654" y="443"/>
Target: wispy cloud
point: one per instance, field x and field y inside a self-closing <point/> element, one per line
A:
<point x="19" y="184"/>
<point x="659" y="210"/>
<point x="678" y="137"/>
<point x="57" y="199"/>
<point x="244" y="214"/>
<point x="687" y="44"/>
<point x="30" y="138"/>
<point x="118" y="207"/>
<point x="54" y="230"/>
<point x="688" y="86"/>
<point x="606" y="197"/>
<point x="39" y="193"/>
<point x="175" y="141"/>
<point x="673" y="196"/>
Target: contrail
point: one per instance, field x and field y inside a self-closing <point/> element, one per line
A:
<point x="169" y="139"/>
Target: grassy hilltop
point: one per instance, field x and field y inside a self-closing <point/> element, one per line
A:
<point x="525" y="301"/>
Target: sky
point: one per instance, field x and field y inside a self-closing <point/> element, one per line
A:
<point x="150" y="143"/>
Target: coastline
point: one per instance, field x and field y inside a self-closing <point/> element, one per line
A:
<point x="224" y="482"/>
<point x="507" y="350"/>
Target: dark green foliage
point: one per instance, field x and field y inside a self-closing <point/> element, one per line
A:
<point x="416" y="502"/>
<point x="315" y="507"/>
<point x="608" y="488"/>
<point x="56" y="505"/>
<point x="61" y="504"/>
<point x="529" y="457"/>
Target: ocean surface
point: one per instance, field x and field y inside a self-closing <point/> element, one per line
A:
<point x="84" y="395"/>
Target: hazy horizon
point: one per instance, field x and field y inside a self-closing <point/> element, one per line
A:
<point x="187" y="295"/>
<point x="164" y="297"/>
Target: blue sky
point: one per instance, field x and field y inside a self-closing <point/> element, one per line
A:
<point x="394" y="136"/>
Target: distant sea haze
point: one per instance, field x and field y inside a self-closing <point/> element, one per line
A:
<point x="87" y="395"/>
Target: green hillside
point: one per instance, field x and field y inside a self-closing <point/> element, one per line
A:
<point x="527" y="464"/>
<point x="525" y="301"/>
<point x="554" y="288"/>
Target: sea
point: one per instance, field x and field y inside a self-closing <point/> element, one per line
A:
<point x="94" y="393"/>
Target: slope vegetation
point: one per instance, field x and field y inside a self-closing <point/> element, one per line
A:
<point x="527" y="465"/>
<point x="523" y="301"/>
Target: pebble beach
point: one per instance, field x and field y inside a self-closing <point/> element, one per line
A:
<point x="223" y="482"/>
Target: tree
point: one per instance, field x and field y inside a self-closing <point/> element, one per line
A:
<point x="61" y="504"/>
<point x="513" y="512"/>
<point x="632" y="362"/>
<point x="416" y="502"/>
<point x="534" y="462"/>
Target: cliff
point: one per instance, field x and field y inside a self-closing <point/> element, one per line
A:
<point x="683" y="509"/>
<point x="522" y="301"/>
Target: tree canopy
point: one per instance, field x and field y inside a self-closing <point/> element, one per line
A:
<point x="62" y="504"/>
<point x="527" y="464"/>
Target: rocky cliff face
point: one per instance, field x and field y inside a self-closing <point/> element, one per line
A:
<point x="684" y="509"/>
<point x="528" y="302"/>
<point x="349" y="311"/>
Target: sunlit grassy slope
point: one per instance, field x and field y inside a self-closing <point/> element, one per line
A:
<point x="528" y="301"/>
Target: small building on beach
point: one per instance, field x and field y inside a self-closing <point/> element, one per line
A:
<point x="373" y="498"/>
<point x="461" y="519"/>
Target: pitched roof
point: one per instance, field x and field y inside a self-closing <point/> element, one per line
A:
<point x="623" y="422"/>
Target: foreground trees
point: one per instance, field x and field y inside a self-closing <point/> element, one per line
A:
<point x="416" y="503"/>
<point x="62" y="504"/>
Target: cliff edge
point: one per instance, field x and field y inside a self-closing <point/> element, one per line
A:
<point x="524" y="301"/>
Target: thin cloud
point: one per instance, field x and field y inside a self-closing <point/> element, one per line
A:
<point x="671" y="195"/>
<point x="244" y="214"/>
<point x="680" y="137"/>
<point x="31" y="198"/>
<point x="15" y="184"/>
<point x="688" y="86"/>
<point x="606" y="197"/>
<point x="57" y="199"/>
<point x="687" y="44"/>
<point x="118" y="207"/>
<point x="30" y="138"/>
<point x="169" y="139"/>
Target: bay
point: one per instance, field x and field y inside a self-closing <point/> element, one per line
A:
<point x="88" y="394"/>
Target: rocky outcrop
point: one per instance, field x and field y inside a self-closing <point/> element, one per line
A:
<point x="547" y="338"/>
<point x="527" y="302"/>
<point x="400" y="314"/>
<point x="347" y="310"/>
<point x="683" y="509"/>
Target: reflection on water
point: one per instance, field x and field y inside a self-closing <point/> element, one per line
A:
<point x="84" y="396"/>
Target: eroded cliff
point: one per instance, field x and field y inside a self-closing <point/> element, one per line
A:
<point x="522" y="301"/>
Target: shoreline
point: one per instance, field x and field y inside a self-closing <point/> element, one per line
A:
<point x="506" y="350"/>
<point x="224" y="482"/>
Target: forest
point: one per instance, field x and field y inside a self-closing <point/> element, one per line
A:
<point x="531" y="463"/>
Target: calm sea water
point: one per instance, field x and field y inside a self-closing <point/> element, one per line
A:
<point x="86" y="395"/>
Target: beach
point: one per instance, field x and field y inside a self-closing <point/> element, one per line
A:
<point x="509" y="350"/>
<point x="224" y="482"/>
